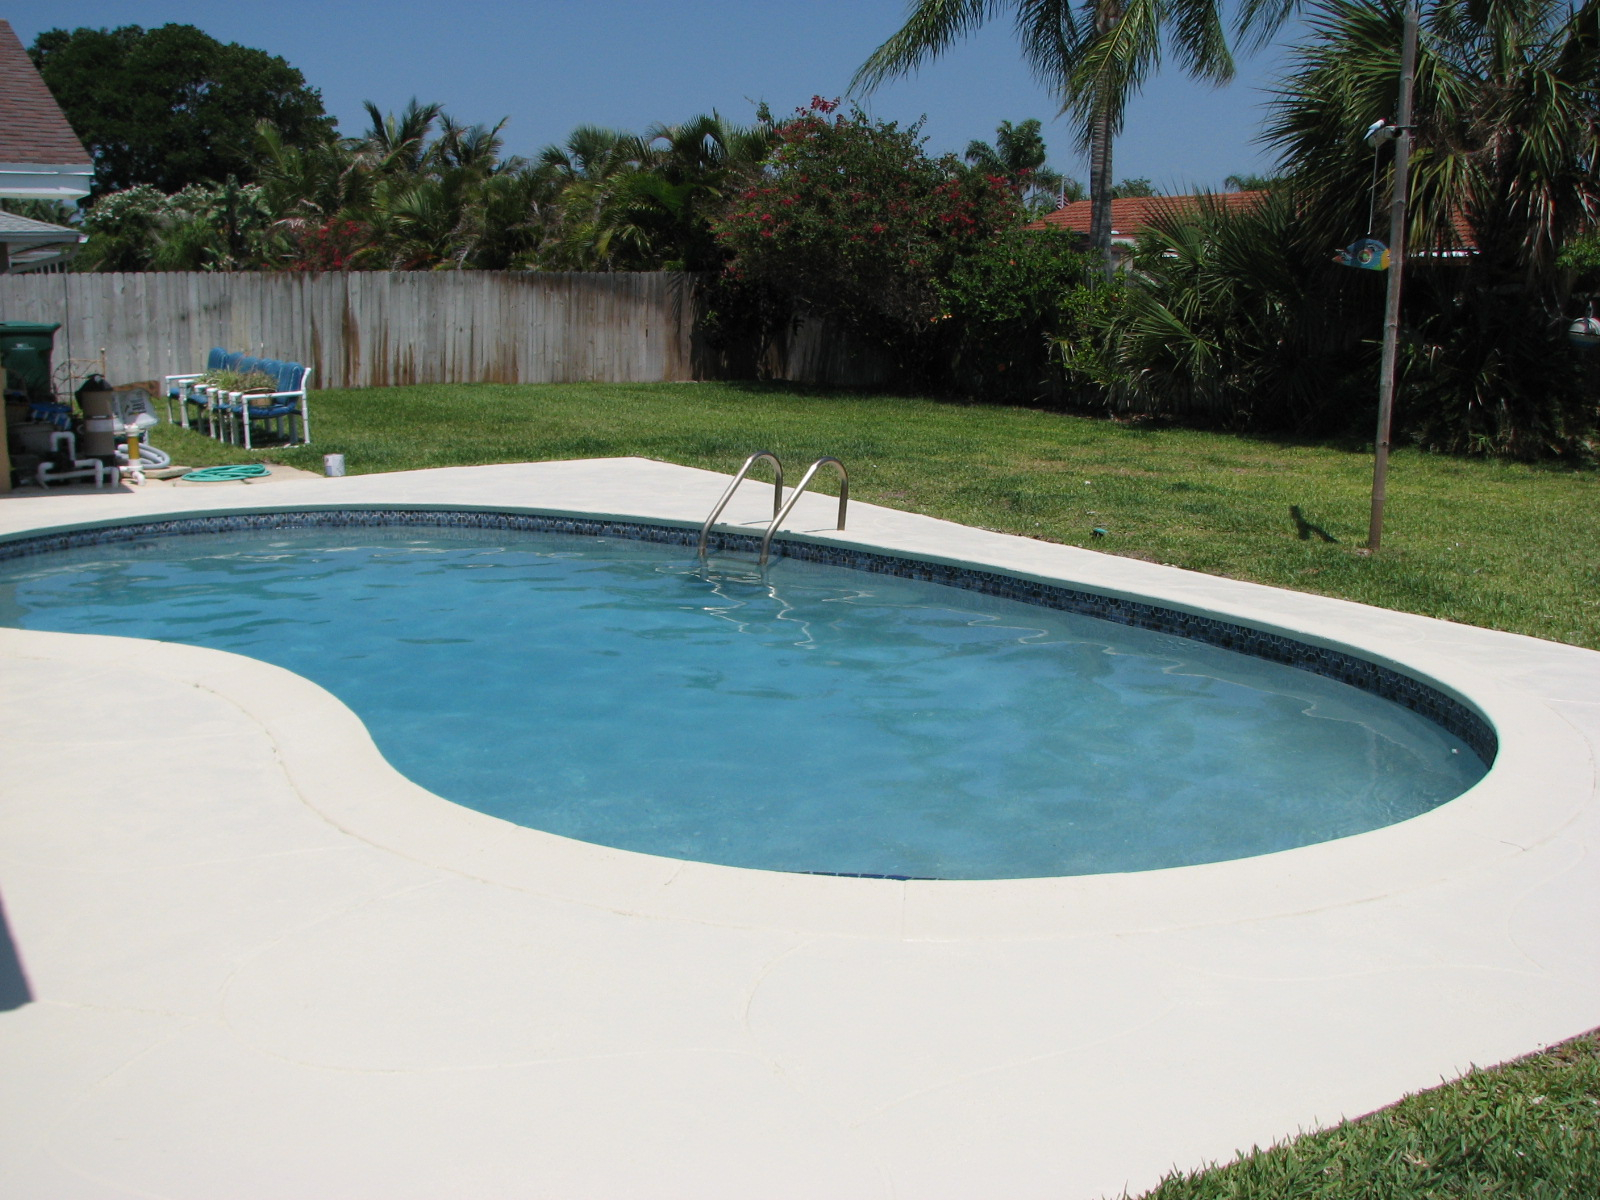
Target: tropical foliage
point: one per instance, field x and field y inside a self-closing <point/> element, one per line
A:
<point x="1096" y="55"/>
<point x="205" y="227"/>
<point x="1237" y="316"/>
<point x="1239" y="319"/>
<point x="1233" y="313"/>
<point x="1018" y="155"/>
<point x="1506" y="145"/>
<point x="418" y="190"/>
<point x="854" y="223"/>
<point x="1009" y="304"/>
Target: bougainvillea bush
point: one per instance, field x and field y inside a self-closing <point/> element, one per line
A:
<point x="853" y="222"/>
<point x="333" y="245"/>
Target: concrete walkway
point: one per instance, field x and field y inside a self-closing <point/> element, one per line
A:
<point x="251" y="960"/>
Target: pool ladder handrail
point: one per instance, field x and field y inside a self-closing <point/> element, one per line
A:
<point x="777" y="494"/>
<point x="844" y="500"/>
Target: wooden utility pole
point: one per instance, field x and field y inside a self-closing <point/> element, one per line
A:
<point x="1397" y="265"/>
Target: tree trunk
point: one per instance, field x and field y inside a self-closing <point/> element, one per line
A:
<point x="1100" y="190"/>
<point x="1107" y="13"/>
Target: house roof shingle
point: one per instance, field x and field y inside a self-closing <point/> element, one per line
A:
<point x="33" y="129"/>
<point x="24" y="231"/>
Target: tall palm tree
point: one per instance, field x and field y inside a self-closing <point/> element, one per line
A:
<point x="1095" y="55"/>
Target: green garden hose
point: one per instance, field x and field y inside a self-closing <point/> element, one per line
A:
<point x="224" y="474"/>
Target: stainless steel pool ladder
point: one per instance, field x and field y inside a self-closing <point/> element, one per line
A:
<point x="777" y="494"/>
<point x="779" y="509"/>
<point x="844" y="499"/>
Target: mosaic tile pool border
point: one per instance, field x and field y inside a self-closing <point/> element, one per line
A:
<point x="1402" y="689"/>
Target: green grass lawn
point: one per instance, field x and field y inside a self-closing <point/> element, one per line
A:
<point x="1527" y="1131"/>
<point x="1502" y="545"/>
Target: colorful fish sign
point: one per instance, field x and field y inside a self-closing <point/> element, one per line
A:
<point x="1367" y="254"/>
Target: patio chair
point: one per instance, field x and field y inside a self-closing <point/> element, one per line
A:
<point x="181" y="387"/>
<point x="279" y="407"/>
<point x="222" y="406"/>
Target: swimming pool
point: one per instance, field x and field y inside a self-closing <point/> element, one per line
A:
<point x="610" y="688"/>
<point x="192" y="833"/>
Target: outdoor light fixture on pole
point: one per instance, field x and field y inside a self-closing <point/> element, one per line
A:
<point x="1397" y="250"/>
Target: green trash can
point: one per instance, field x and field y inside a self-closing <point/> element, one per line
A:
<point x="25" y="350"/>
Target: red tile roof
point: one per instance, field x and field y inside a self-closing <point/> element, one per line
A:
<point x="33" y="128"/>
<point x="1129" y="216"/>
<point x="1135" y="213"/>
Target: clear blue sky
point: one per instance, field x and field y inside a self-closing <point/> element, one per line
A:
<point x="549" y="65"/>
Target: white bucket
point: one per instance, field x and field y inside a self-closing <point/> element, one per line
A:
<point x="333" y="465"/>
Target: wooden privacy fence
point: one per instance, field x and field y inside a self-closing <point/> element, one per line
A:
<point x="376" y="328"/>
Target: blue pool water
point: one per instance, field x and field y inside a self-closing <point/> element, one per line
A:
<point x="815" y="719"/>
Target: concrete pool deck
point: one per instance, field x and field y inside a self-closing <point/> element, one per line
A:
<point x="251" y="960"/>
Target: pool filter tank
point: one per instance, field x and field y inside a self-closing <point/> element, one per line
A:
<point x="98" y="436"/>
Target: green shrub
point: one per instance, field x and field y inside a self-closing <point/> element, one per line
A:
<point x="852" y="222"/>
<point x="1008" y="303"/>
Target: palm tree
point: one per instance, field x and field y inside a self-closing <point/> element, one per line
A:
<point x="306" y="186"/>
<point x="474" y="148"/>
<point x="1505" y="144"/>
<point x="400" y="143"/>
<point x="1018" y="155"/>
<point x="585" y="173"/>
<point x="1507" y="128"/>
<point x="641" y="203"/>
<point x="696" y="164"/>
<point x="1248" y="182"/>
<point x="1096" y="55"/>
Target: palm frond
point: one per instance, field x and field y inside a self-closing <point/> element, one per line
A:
<point x="931" y="28"/>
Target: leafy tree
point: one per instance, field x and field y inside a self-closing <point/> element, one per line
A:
<point x="854" y="222"/>
<point x="1133" y="189"/>
<point x="171" y="107"/>
<point x="125" y="230"/>
<point x="1095" y="54"/>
